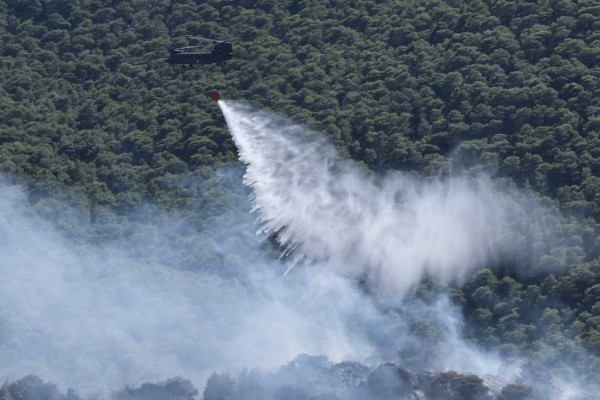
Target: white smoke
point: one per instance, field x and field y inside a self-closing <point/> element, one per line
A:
<point x="394" y="232"/>
<point x="97" y="318"/>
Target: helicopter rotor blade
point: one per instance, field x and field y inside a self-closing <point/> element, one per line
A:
<point x="188" y="47"/>
<point x="204" y="39"/>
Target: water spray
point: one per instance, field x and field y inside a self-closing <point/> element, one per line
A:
<point x="392" y="231"/>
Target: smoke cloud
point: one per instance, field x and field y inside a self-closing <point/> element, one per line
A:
<point x="98" y="317"/>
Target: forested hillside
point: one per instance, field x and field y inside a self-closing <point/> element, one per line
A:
<point x="92" y="113"/>
<point x="508" y="85"/>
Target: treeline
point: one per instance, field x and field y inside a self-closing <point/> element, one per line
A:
<point x="91" y="108"/>
<point x="306" y="378"/>
<point x="555" y="321"/>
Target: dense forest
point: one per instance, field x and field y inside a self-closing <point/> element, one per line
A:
<point x="92" y="115"/>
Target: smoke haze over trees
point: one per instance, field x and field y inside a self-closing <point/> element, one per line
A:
<point x="107" y="139"/>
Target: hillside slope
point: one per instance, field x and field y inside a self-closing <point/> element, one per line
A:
<point x="91" y="110"/>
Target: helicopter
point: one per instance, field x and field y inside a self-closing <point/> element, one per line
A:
<point x="221" y="52"/>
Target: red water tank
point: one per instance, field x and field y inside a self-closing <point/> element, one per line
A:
<point x="215" y="95"/>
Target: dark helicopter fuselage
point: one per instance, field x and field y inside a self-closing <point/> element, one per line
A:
<point x="221" y="52"/>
